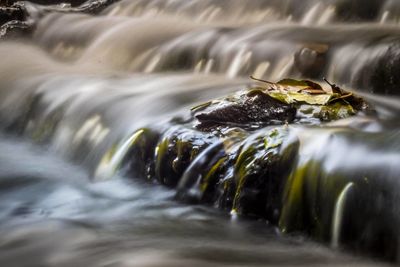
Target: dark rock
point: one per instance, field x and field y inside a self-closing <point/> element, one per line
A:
<point x="358" y="10"/>
<point x="381" y="75"/>
<point x="311" y="60"/>
<point x="247" y="109"/>
<point x="258" y="172"/>
<point x="17" y="21"/>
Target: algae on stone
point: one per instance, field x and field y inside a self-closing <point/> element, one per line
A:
<point x="287" y="101"/>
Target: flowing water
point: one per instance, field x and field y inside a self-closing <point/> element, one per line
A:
<point x="83" y="83"/>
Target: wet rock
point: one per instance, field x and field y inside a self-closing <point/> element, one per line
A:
<point x="248" y="109"/>
<point x="14" y="12"/>
<point x="14" y="20"/>
<point x="228" y="153"/>
<point x="163" y="155"/>
<point x="311" y="60"/>
<point x="243" y="176"/>
<point x="261" y="175"/>
<point x="358" y="10"/>
<point x="381" y="75"/>
<point x="286" y="101"/>
<point x="258" y="171"/>
<point x="18" y="18"/>
<point x="342" y="199"/>
<point x="51" y="2"/>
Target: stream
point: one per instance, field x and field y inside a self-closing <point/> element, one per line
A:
<point x="81" y="83"/>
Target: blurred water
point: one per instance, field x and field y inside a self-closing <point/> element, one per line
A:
<point x="84" y="83"/>
<point x="52" y="215"/>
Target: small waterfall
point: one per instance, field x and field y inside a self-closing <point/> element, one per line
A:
<point x="358" y="56"/>
<point x="101" y="91"/>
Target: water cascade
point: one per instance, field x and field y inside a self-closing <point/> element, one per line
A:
<point x="116" y="122"/>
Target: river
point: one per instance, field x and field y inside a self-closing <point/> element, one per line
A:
<point x="82" y="83"/>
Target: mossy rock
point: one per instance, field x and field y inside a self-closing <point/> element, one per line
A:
<point x="228" y="156"/>
<point x="287" y="101"/>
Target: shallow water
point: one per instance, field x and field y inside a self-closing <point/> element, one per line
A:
<point x="52" y="215"/>
<point x="81" y="84"/>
